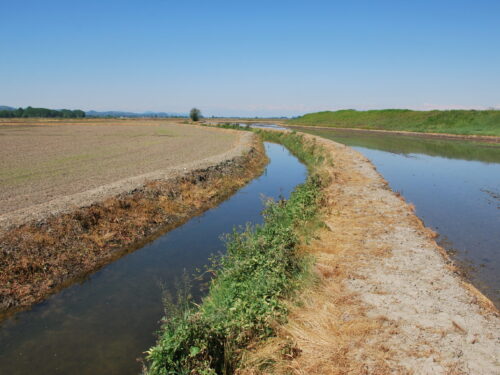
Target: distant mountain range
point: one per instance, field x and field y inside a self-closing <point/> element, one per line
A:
<point x="118" y="113"/>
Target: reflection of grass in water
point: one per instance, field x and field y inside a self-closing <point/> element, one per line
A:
<point x="402" y="144"/>
<point x="464" y="122"/>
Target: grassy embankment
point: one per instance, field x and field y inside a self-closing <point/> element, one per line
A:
<point x="263" y="268"/>
<point x="459" y="122"/>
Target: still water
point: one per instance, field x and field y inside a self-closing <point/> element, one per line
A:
<point x="104" y="324"/>
<point x="455" y="187"/>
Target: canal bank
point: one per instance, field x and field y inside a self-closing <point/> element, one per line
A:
<point x="389" y="298"/>
<point x="48" y="247"/>
<point x="455" y="188"/>
<point x="103" y="324"/>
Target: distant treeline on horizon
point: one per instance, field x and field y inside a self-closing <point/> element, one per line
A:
<point x="41" y="112"/>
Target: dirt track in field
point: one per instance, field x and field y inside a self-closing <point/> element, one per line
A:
<point x="41" y="161"/>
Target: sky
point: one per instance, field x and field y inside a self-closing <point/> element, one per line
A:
<point x="250" y="58"/>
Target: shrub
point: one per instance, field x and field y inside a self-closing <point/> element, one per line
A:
<point x="195" y="114"/>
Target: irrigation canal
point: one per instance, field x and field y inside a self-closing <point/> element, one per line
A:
<point x="105" y="323"/>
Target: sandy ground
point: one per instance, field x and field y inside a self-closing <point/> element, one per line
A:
<point x="389" y="300"/>
<point x="47" y="167"/>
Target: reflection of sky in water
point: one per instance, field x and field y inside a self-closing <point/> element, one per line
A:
<point x="455" y="187"/>
<point x="454" y="197"/>
<point x="262" y="125"/>
<point x="103" y="324"/>
<point x="449" y="194"/>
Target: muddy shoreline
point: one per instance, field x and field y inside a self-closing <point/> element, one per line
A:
<point x="55" y="245"/>
<point x="477" y="138"/>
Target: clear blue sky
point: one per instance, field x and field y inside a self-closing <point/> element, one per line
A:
<point x="249" y="57"/>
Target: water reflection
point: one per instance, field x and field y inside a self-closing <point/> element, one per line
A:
<point x="455" y="186"/>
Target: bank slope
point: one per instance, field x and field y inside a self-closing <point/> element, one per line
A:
<point x="55" y="244"/>
<point x="389" y="300"/>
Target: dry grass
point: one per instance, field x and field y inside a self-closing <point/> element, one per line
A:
<point x="330" y="324"/>
<point x="38" y="258"/>
<point x="333" y="330"/>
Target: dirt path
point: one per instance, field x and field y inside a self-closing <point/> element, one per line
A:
<point x="389" y="300"/>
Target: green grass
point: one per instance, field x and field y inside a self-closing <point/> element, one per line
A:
<point x="463" y="122"/>
<point x="260" y="271"/>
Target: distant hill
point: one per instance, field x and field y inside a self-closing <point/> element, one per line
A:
<point x="464" y="122"/>
<point x="6" y="108"/>
<point x="133" y="114"/>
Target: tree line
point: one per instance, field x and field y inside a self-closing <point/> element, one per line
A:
<point x="41" y="112"/>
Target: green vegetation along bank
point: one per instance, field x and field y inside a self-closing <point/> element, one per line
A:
<point x="459" y="122"/>
<point x="262" y="268"/>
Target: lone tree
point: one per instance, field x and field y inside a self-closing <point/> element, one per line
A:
<point x="195" y="114"/>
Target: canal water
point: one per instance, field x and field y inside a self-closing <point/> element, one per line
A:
<point x="455" y="187"/>
<point x="103" y="324"/>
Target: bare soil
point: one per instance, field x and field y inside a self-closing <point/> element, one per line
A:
<point x="43" y="160"/>
<point x="388" y="299"/>
<point x="49" y="246"/>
